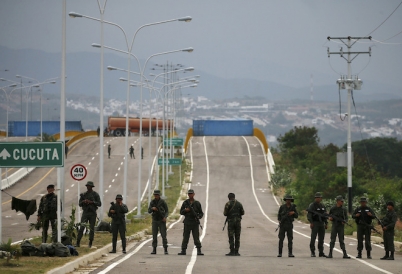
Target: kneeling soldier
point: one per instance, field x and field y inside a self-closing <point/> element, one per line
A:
<point x="233" y="211"/>
<point x="339" y="217"/>
<point x="388" y="226"/>
<point x="286" y="215"/>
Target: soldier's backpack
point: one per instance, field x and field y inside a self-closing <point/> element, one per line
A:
<point x="47" y="249"/>
<point x="28" y="249"/>
<point x="61" y="250"/>
<point x="104" y="226"/>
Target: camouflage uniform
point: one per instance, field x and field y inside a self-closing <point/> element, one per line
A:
<point x="48" y="213"/>
<point x="157" y="221"/>
<point x="363" y="228"/>
<point x="286" y="225"/>
<point x="319" y="224"/>
<point x="89" y="214"/>
<point x="233" y="211"/>
<point x="338" y="227"/>
<point x="389" y="222"/>
<point x="118" y="223"/>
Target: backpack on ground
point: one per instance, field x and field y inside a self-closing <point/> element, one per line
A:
<point x="28" y="249"/>
<point x="47" y="249"/>
<point x="61" y="250"/>
<point x="104" y="226"/>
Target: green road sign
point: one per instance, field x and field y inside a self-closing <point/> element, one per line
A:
<point x="32" y="154"/>
<point x="173" y="141"/>
<point x="170" y="161"/>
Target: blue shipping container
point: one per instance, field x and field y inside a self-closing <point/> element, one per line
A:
<point x="17" y="128"/>
<point x="223" y="128"/>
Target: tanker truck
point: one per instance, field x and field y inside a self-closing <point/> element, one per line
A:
<point x="117" y="125"/>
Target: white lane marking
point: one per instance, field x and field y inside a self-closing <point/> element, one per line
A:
<point x="72" y="185"/>
<point x="19" y="213"/>
<point x="190" y="265"/>
<point x="97" y="153"/>
<point x="89" y="163"/>
<point x="110" y="186"/>
<point x="93" y="158"/>
<point x="121" y="163"/>
<point x="118" y="168"/>
<point x="262" y="211"/>
<point x="14" y="224"/>
<point x="116" y="175"/>
<point x="67" y="190"/>
<point x="105" y="190"/>
<point x="113" y="181"/>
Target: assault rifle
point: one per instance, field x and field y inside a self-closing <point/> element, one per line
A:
<point x="197" y="219"/>
<point x="292" y="208"/>
<point x="326" y="216"/>
<point x="225" y="224"/>
<point x="379" y="221"/>
<point x="370" y="226"/>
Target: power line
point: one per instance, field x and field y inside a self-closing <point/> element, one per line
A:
<point x="385" y="19"/>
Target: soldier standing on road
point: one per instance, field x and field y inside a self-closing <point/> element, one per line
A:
<point x="341" y="215"/>
<point x="131" y="150"/>
<point x="363" y="216"/>
<point x="89" y="201"/>
<point x="190" y="222"/>
<point x="233" y="211"/>
<point x="117" y="212"/>
<point x="142" y="153"/>
<point x="318" y="224"/>
<point x="286" y="215"/>
<point x="47" y="212"/>
<point x="388" y="226"/>
<point x="109" y="150"/>
<point x="160" y="212"/>
<point x="98" y="131"/>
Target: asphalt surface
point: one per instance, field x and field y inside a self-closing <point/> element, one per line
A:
<point x="237" y="164"/>
<point x="86" y="152"/>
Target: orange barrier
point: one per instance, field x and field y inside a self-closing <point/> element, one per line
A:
<point x="71" y="133"/>
<point x="82" y="135"/>
<point x="188" y="137"/>
<point x="3" y="133"/>
<point x="261" y="136"/>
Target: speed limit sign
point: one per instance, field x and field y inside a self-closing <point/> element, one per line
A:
<point x="78" y="172"/>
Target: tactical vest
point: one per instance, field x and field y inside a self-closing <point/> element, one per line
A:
<point x="49" y="206"/>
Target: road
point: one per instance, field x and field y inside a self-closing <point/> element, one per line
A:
<point x="237" y="164"/>
<point x="86" y="152"/>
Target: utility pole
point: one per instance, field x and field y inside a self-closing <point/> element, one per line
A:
<point x="349" y="84"/>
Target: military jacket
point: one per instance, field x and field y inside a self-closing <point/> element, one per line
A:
<point x="233" y="210"/>
<point x="283" y="212"/>
<point x="389" y="220"/>
<point x="189" y="217"/>
<point x="340" y="213"/>
<point x="162" y="212"/>
<point x="320" y="209"/>
<point x="92" y="196"/>
<point x="48" y="206"/>
<point x="118" y="217"/>
<point x="363" y="215"/>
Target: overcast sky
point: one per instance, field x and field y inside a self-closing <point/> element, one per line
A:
<point x="282" y="41"/>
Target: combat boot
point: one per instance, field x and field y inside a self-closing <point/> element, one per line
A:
<point x="237" y="252"/>
<point x="290" y="254"/>
<point x="199" y="251"/>
<point x="359" y="254"/>
<point x="90" y="244"/>
<point x="330" y="253"/>
<point x="322" y="254"/>
<point x="368" y="254"/>
<point x="391" y="257"/>
<point x="386" y="256"/>
<point x="166" y="252"/>
<point x="231" y="253"/>
<point x="153" y="250"/>
<point x="280" y="252"/>
<point x="183" y="252"/>
<point x="312" y="254"/>
<point x="345" y="255"/>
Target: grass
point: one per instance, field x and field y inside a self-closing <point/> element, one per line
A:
<point x="37" y="265"/>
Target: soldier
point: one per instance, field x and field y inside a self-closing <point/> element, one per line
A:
<point x="160" y="212"/>
<point x="192" y="211"/>
<point x="109" y="150"/>
<point x="286" y="215"/>
<point x="89" y="201"/>
<point x="131" y="150"/>
<point x="233" y="211"/>
<point x="47" y="212"/>
<point x="363" y="216"/>
<point x="339" y="217"/>
<point x="98" y="131"/>
<point x="318" y="224"/>
<point x="388" y="226"/>
<point x="142" y="153"/>
<point x="116" y="212"/>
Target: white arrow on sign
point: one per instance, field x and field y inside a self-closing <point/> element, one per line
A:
<point x="4" y="154"/>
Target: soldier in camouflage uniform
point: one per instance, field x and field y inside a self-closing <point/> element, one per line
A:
<point x="233" y="211"/>
<point x="339" y="217"/>
<point x="89" y="201"/>
<point x="160" y="212"/>
<point x="286" y="215"/>
<point x="318" y="224"/>
<point x="363" y="216"/>
<point x="190" y="222"/>
<point x="388" y="226"/>
<point x="47" y="212"/>
<point x="117" y="212"/>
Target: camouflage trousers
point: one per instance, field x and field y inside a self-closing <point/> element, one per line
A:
<point x="234" y="231"/>
<point x="286" y="228"/>
<point x="45" y="228"/>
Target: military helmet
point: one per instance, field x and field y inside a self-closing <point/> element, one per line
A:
<point x="90" y="183"/>
<point x="318" y="195"/>
<point x="157" y="192"/>
<point x="340" y="198"/>
<point x="190" y="191"/>
<point x="118" y="196"/>
<point x="363" y="199"/>
<point x="288" y="197"/>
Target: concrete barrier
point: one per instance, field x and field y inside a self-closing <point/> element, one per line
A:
<point x="15" y="177"/>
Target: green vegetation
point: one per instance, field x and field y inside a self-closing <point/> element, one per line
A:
<point x="304" y="167"/>
<point x="37" y="265"/>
